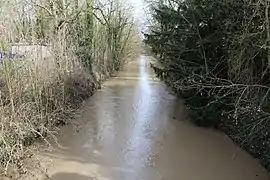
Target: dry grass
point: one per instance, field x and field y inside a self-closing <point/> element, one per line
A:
<point x="34" y="100"/>
<point x="37" y="93"/>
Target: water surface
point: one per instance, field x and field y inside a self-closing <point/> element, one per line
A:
<point x="134" y="129"/>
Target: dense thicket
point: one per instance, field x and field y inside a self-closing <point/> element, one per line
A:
<point x="62" y="49"/>
<point x="216" y="55"/>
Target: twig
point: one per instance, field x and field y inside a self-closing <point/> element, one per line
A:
<point x="41" y="6"/>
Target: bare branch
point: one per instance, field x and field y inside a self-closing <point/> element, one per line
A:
<point x="41" y="6"/>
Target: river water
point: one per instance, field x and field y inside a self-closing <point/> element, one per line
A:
<point x="134" y="129"/>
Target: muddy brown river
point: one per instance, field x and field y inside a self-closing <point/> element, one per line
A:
<point x="134" y="129"/>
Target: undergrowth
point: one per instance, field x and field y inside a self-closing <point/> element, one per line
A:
<point x="69" y="47"/>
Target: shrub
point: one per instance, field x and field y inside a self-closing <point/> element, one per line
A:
<point x="215" y="54"/>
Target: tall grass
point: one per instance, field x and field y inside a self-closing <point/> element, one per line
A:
<point x="85" y="40"/>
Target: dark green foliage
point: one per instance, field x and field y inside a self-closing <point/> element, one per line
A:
<point x="214" y="54"/>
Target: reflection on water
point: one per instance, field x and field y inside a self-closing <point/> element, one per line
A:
<point x="133" y="129"/>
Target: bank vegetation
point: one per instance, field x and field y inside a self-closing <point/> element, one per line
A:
<point x="61" y="51"/>
<point x="216" y="55"/>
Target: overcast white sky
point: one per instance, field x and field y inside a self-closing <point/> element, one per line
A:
<point x="138" y="5"/>
<point x="140" y="13"/>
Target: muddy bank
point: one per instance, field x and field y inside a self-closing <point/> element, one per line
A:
<point x="133" y="128"/>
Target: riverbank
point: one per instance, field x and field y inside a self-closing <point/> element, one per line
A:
<point x="56" y="61"/>
<point x="243" y="132"/>
<point x="77" y="89"/>
<point x="214" y="60"/>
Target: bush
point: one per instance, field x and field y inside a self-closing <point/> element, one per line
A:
<point x="215" y="55"/>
